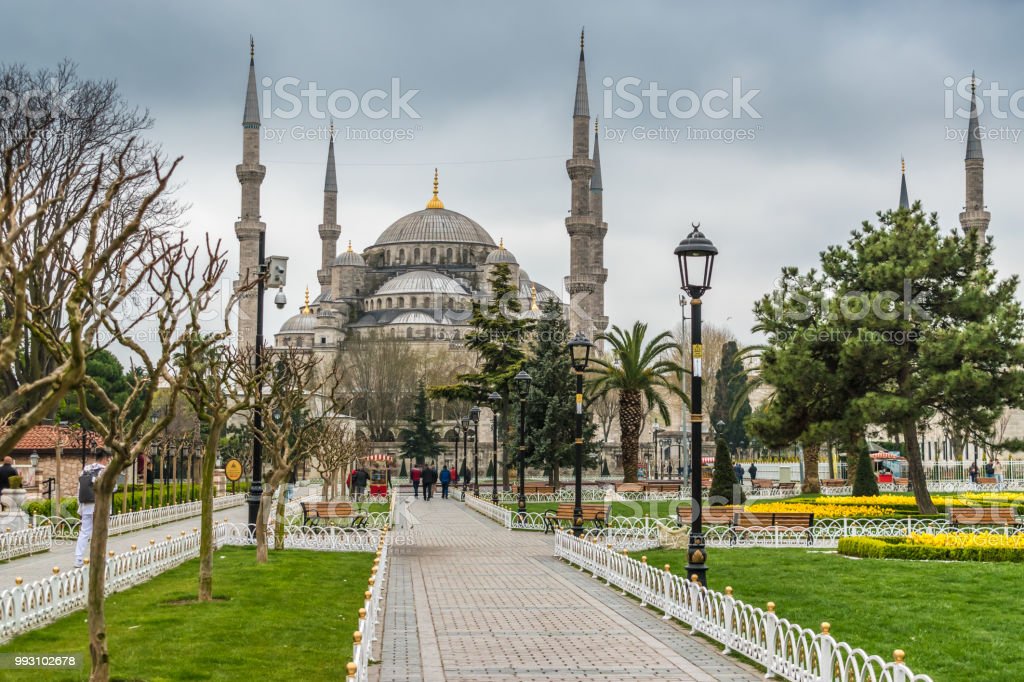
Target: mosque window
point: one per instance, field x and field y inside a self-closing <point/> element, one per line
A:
<point x="401" y="256"/>
<point x="416" y="255"/>
<point x="387" y="257"/>
<point x="412" y="301"/>
<point x="401" y="301"/>
<point x="433" y="255"/>
<point x="408" y="332"/>
<point x="448" y="255"/>
<point x="323" y="339"/>
<point x="389" y="304"/>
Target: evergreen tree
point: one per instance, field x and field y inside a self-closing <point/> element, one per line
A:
<point x="604" y="468"/>
<point x="731" y="404"/>
<point x="864" y="483"/>
<point x="725" y="489"/>
<point x="551" y="410"/>
<point x="421" y="440"/>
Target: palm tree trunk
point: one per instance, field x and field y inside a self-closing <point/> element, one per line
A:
<point x="811" y="482"/>
<point x="630" y="419"/>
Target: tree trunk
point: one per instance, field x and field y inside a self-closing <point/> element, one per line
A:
<point x="853" y="446"/>
<point x="630" y="419"/>
<point x="261" y="524"/>
<point x="174" y="476"/>
<point x="811" y="483"/>
<point x="96" y="617"/>
<point x="916" y="473"/>
<point x="163" y="480"/>
<point x="279" y="516"/>
<point x="206" y="515"/>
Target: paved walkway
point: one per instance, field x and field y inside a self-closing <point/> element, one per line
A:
<point x="469" y="601"/>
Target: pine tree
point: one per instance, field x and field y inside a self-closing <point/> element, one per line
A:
<point x="551" y="410"/>
<point x="731" y="404"/>
<point x="725" y="489"/>
<point x="421" y="440"/>
<point x="864" y="483"/>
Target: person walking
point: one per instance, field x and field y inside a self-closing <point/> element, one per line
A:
<point x="6" y="471"/>
<point x="738" y="470"/>
<point x="446" y="480"/>
<point x="429" y="478"/>
<point x="414" y="475"/>
<point x="752" y="471"/>
<point x="997" y="468"/>
<point x="87" y="502"/>
<point x="972" y="472"/>
<point x="359" y="480"/>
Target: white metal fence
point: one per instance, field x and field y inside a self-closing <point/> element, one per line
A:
<point x="784" y="649"/>
<point x="15" y="543"/>
<point x="365" y="637"/>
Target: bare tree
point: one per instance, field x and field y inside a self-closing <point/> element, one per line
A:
<point x="379" y="373"/>
<point x="293" y="378"/>
<point x="713" y="338"/>
<point x="333" y="448"/>
<point x="605" y="408"/>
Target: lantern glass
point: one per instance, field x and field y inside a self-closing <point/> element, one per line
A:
<point x="696" y="256"/>
<point x="579" y="352"/>
<point x="523" y="383"/>
<point x="474" y="414"/>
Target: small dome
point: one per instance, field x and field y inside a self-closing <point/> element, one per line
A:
<point x="501" y="255"/>
<point x="421" y="282"/>
<point x="349" y="257"/>
<point x="299" y="324"/>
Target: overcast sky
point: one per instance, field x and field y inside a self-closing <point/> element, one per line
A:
<point x="842" y="91"/>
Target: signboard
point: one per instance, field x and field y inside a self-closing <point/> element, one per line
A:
<point x="233" y="470"/>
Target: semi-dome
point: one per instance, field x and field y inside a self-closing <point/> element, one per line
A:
<point x="349" y="257"/>
<point x="421" y="282"/>
<point x="435" y="225"/>
<point x="501" y="255"/>
<point x="418" y="317"/>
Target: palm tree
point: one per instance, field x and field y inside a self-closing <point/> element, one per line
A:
<point x="641" y="373"/>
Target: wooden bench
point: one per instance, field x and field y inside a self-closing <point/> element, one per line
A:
<point x="629" y="487"/>
<point x="777" y="521"/>
<point x="901" y="482"/>
<point x="661" y="486"/>
<point x="724" y="515"/>
<point x="762" y="483"/>
<point x="314" y="512"/>
<point x="833" y="482"/>
<point x="595" y="513"/>
<point x="535" y="489"/>
<point x="983" y="516"/>
<point x="787" y="487"/>
<point x="984" y="480"/>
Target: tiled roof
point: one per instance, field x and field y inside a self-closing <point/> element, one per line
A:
<point x="46" y="438"/>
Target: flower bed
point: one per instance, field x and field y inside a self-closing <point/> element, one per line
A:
<point x="827" y="511"/>
<point x="938" y="547"/>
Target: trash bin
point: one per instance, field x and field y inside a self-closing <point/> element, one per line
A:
<point x="785" y="473"/>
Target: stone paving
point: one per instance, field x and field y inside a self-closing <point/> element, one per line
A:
<point x="469" y="601"/>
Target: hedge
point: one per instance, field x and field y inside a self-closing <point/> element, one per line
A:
<point x="898" y="548"/>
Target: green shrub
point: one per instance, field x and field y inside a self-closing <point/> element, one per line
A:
<point x="725" y="489"/>
<point x="864" y="483"/>
<point x="14" y="482"/>
<point x="898" y="548"/>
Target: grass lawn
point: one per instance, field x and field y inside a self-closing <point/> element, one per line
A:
<point x="290" y="619"/>
<point x="955" y="620"/>
<point x="657" y="510"/>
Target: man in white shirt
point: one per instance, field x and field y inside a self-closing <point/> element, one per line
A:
<point x="87" y="502"/>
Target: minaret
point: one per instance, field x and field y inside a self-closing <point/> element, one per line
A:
<point x="597" y="270"/>
<point x="329" y="228"/>
<point x="579" y="223"/>
<point x="974" y="215"/>
<point x="904" y="197"/>
<point x="249" y="227"/>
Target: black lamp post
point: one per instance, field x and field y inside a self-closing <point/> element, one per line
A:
<point x="579" y="355"/>
<point x="696" y="256"/>
<point x="458" y="430"/>
<point x="522" y="380"/>
<point x="655" y="430"/>
<point x="465" y="443"/>
<point x="495" y="399"/>
<point x="474" y="416"/>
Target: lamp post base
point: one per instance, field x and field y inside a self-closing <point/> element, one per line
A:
<point x="696" y="559"/>
<point x="522" y="508"/>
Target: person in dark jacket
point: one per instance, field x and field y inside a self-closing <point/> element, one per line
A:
<point x="446" y="480"/>
<point x="415" y="475"/>
<point x="359" y="481"/>
<point x="752" y="471"/>
<point x="6" y="471"/>
<point x="429" y="478"/>
<point x="738" y="470"/>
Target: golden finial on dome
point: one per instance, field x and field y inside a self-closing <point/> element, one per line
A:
<point x="501" y="243"/>
<point x="350" y="246"/>
<point x="435" y="202"/>
<point x="305" y="309"/>
<point x="533" y="298"/>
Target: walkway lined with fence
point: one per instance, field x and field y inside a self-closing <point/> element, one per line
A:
<point x="468" y="600"/>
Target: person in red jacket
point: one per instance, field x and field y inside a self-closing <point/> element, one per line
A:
<point x="415" y="476"/>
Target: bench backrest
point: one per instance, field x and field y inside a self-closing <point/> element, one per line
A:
<point x="749" y="519"/>
<point x="719" y="515"/>
<point x="762" y="483"/>
<point x="629" y="487"/>
<point x="342" y="509"/>
<point x="833" y="482"/>
<point x="984" y="480"/>
<point x="590" y="511"/>
<point x="983" y="515"/>
<point x="668" y="486"/>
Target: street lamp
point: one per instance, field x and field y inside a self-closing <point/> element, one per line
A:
<point x="474" y="416"/>
<point x="655" y="430"/>
<point x="465" y="445"/>
<point x="696" y="256"/>
<point x="458" y="430"/>
<point x="495" y="399"/>
<point x="522" y="380"/>
<point x="579" y="355"/>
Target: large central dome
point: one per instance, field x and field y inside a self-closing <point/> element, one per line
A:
<point x="435" y="225"/>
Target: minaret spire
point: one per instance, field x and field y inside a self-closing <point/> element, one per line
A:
<point x="595" y="180"/>
<point x="582" y="107"/>
<point x="434" y="202"/>
<point x="974" y="215"/>
<point x="904" y="197"/>
<point x="329" y="228"/>
<point x="249" y="228"/>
